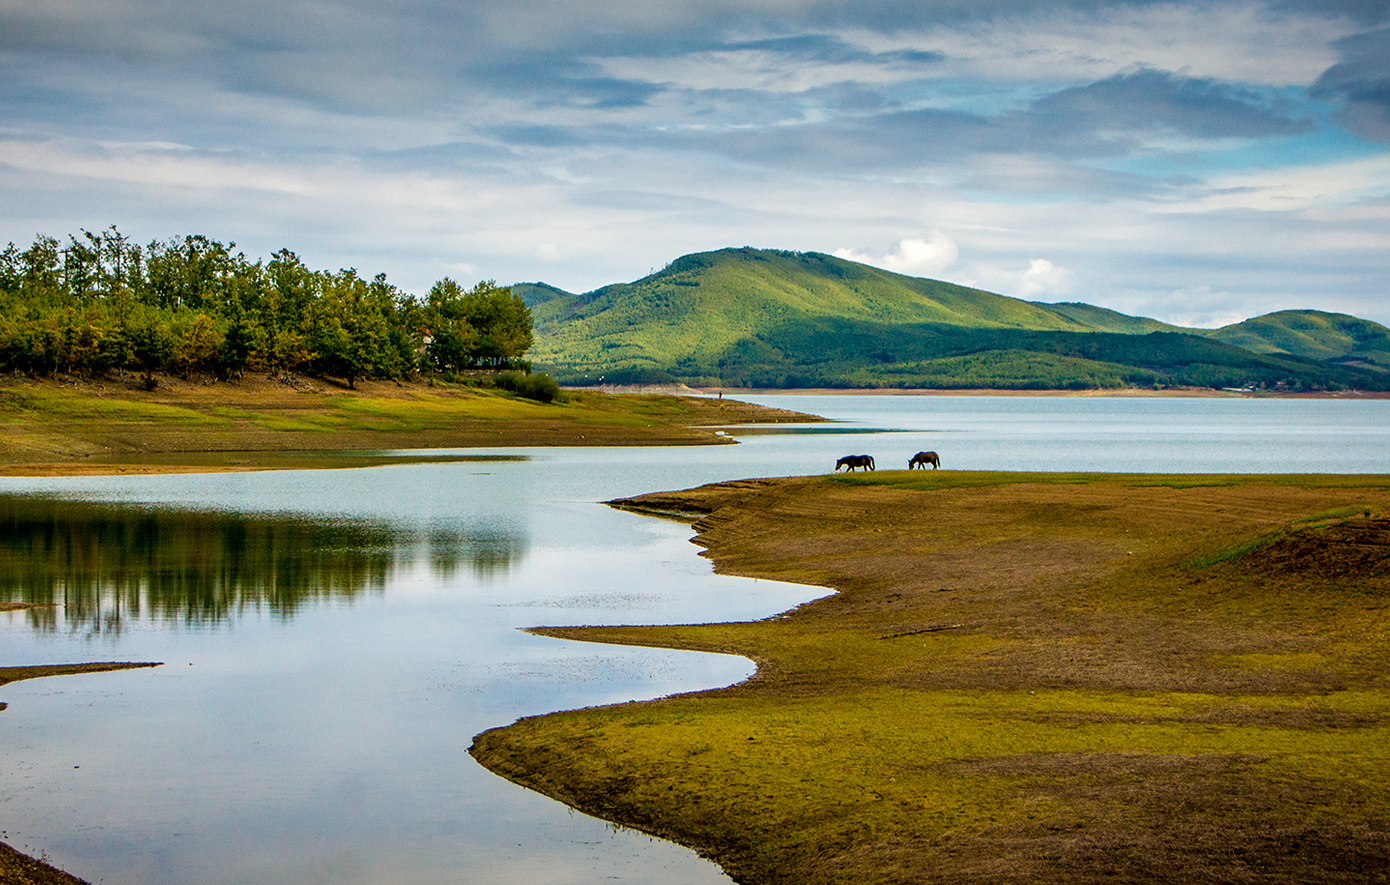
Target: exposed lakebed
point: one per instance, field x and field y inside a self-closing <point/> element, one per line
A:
<point x="333" y="639"/>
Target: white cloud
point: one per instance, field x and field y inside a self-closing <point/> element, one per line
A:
<point x="916" y="257"/>
<point x="1243" y="42"/>
<point x="1291" y="188"/>
<point x="755" y="69"/>
<point x="1042" y="278"/>
<point x="1202" y="307"/>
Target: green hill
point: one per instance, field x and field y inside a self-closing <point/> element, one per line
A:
<point x="776" y="319"/>
<point x="1329" y="337"/>
<point x="1103" y="319"/>
<point x="533" y="294"/>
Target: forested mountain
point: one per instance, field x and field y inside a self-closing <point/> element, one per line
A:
<point x="764" y="318"/>
<point x="1331" y="337"/>
<point x="194" y="305"/>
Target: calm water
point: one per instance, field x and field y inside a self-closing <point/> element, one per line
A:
<point x="334" y="639"/>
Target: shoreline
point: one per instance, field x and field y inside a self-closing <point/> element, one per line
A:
<point x="1119" y="393"/>
<point x="16" y="866"/>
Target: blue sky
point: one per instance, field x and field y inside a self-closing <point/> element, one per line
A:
<point x="1196" y="162"/>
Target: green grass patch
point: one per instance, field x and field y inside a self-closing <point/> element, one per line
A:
<point x="1229" y="553"/>
<point x="298" y="423"/>
<point x="41" y="405"/>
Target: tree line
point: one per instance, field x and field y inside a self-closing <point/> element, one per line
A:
<point x="191" y="304"/>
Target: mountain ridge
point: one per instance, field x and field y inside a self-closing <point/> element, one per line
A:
<point x="777" y="318"/>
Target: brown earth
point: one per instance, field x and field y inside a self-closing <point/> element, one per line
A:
<point x="1021" y="679"/>
<point x="20" y="869"/>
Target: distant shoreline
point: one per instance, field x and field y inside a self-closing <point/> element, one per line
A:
<point x="1121" y="392"/>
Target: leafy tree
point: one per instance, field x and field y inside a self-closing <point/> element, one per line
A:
<point x="451" y="340"/>
<point x="192" y="304"/>
<point x="349" y="330"/>
<point x="188" y="272"/>
<point x="503" y="322"/>
<point x="197" y="344"/>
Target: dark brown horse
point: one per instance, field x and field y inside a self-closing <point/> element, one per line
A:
<point x="922" y="459"/>
<point x="853" y="461"/>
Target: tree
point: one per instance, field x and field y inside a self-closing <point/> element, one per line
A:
<point x="503" y="322"/>
<point x="450" y="340"/>
<point x="188" y="272"/>
<point x="349" y="330"/>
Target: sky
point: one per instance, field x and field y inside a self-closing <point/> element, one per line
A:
<point x="1196" y="162"/>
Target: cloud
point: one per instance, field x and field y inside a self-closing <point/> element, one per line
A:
<point x="1362" y="83"/>
<point x="915" y="257"/>
<point x="1287" y="188"/>
<point x="1041" y="278"/>
<point x="1145" y="148"/>
<point x="1201" y="307"/>
<point x="1152" y="101"/>
<point x="1246" y="42"/>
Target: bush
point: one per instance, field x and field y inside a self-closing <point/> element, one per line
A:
<point x="537" y="386"/>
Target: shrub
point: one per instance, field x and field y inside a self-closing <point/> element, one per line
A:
<point x="537" y="385"/>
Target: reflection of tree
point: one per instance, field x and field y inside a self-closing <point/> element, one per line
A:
<point x="489" y="552"/>
<point x="108" y="563"/>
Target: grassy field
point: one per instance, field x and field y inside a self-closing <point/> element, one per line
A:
<point x="114" y="426"/>
<point x="1022" y="678"/>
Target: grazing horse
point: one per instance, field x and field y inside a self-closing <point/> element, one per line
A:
<point x="853" y="461"/>
<point x="922" y="459"/>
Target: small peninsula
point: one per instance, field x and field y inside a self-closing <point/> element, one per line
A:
<point x="1021" y="678"/>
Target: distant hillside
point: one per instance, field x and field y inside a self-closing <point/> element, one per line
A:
<point x="533" y="294"/>
<point x="775" y="319"/>
<point x="701" y="305"/>
<point x="1329" y="337"/>
<point x="1103" y="319"/>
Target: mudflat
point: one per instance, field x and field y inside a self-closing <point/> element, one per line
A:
<point x="17" y="868"/>
<point x="114" y="425"/>
<point x="1037" y="678"/>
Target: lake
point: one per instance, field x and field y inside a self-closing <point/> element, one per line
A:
<point x="333" y="639"/>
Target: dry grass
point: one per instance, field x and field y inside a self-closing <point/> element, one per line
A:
<point x="1021" y="679"/>
<point x="115" y="426"/>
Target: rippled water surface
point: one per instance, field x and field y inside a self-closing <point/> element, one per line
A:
<point x="333" y="639"/>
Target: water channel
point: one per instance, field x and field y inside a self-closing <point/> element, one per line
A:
<point x="333" y="639"/>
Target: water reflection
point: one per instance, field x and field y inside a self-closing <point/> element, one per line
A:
<point x="488" y="552"/>
<point x="95" y="567"/>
